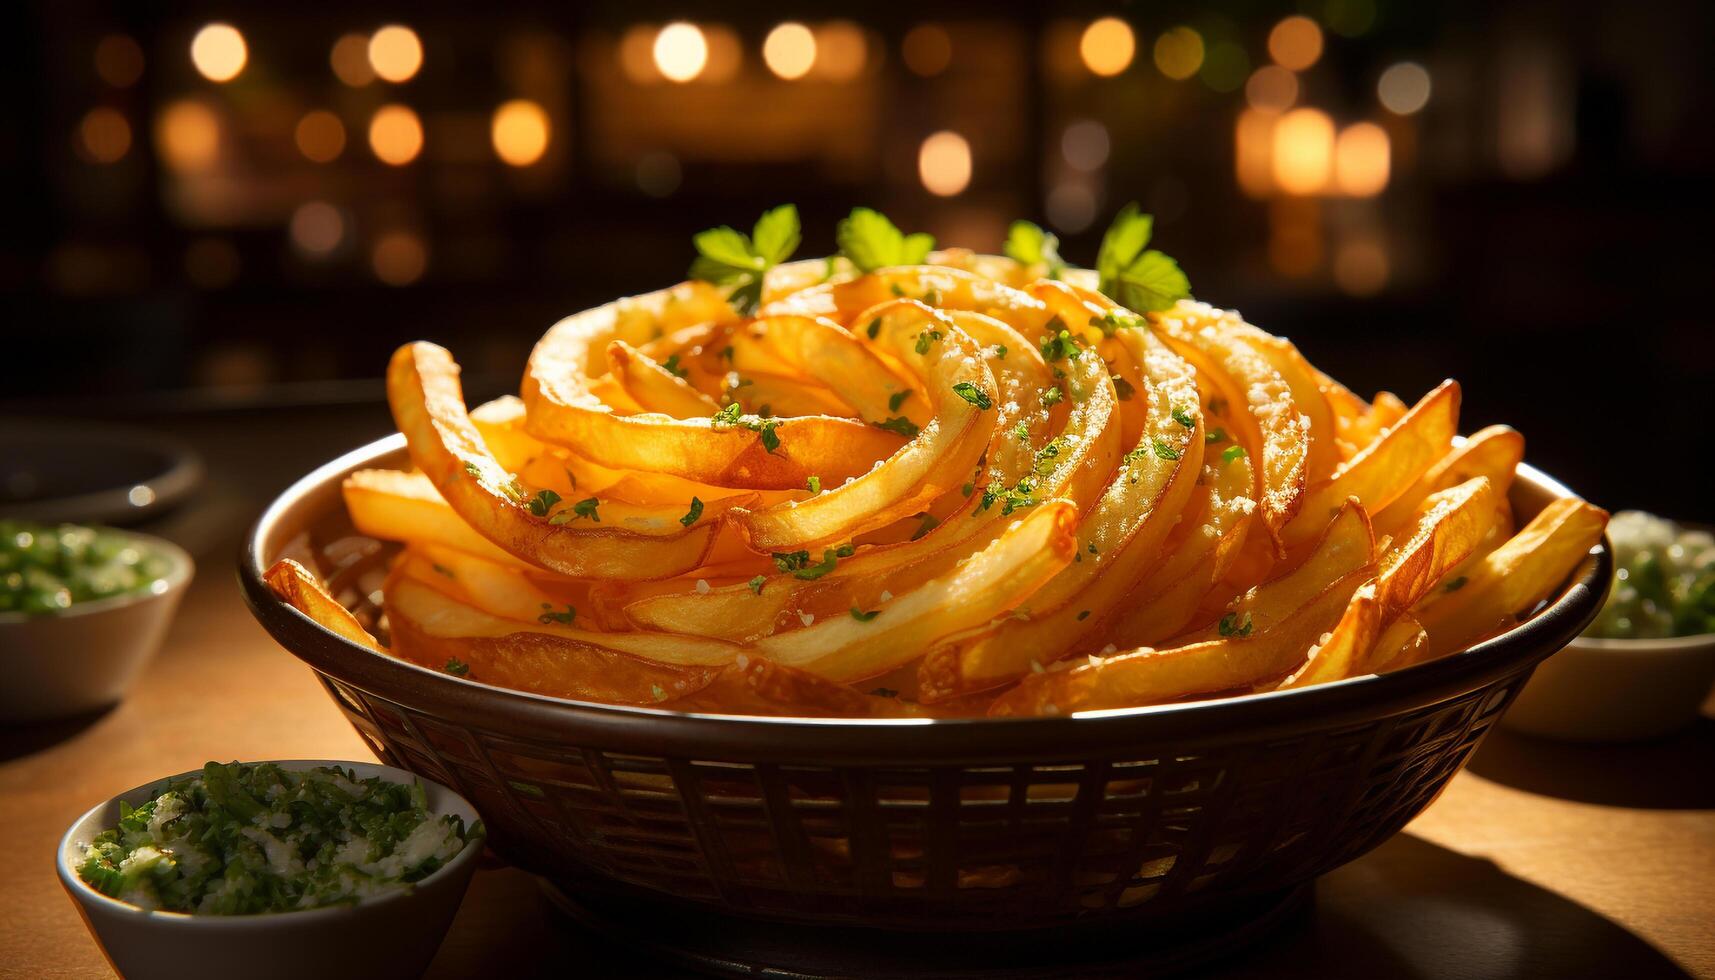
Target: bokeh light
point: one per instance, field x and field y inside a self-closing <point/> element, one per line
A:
<point x="395" y="134"/>
<point x="1179" y="53"/>
<point x="927" y="50"/>
<point x="944" y="163"/>
<point x="680" y="51"/>
<point x="1361" y="266"/>
<point x="520" y="132"/>
<point x="789" y="50"/>
<point x="1349" y="18"/>
<point x="320" y="136"/>
<point x="1271" y="88"/>
<point x="1071" y="206"/>
<point x="1253" y="152"/>
<point x="1225" y="66"/>
<point x="118" y="60"/>
<point x="395" y="53"/>
<point x="1107" y="46"/>
<point x="1085" y="145"/>
<point x="187" y="135"/>
<point x="1404" y="88"/>
<point x="841" y="50"/>
<point x="726" y="54"/>
<point x="637" y="54"/>
<point x="218" y="52"/>
<point x="1361" y="160"/>
<point x="317" y="228"/>
<point x="350" y="60"/>
<point x="1303" y="151"/>
<point x="1295" y="43"/>
<point x="399" y="258"/>
<point x="103" y="135"/>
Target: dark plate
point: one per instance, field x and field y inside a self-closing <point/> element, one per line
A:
<point x="86" y="473"/>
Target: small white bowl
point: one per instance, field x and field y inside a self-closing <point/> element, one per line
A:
<point x="85" y="657"/>
<point x="385" y="936"/>
<point x="1616" y="690"/>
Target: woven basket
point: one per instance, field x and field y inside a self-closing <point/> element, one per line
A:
<point x="1117" y="817"/>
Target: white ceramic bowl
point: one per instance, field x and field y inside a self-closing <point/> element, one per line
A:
<point x="85" y="657"/>
<point x="386" y="936"/>
<point x="1616" y="690"/>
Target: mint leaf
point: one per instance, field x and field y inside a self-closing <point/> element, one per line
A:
<point x="1028" y="244"/>
<point x="1142" y="280"/>
<point x="872" y="242"/>
<point x="727" y="257"/>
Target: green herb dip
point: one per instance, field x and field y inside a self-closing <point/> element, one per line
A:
<point x="1664" y="580"/>
<point x="241" y="839"/>
<point x="46" y="568"/>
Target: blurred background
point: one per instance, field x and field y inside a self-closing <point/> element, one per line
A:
<point x="233" y="212"/>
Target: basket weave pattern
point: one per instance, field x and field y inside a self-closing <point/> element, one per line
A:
<point x="947" y="845"/>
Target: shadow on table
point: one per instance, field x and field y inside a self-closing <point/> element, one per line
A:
<point x="17" y="741"/>
<point x="1668" y="773"/>
<point x="1409" y="909"/>
<point x="1414" y="909"/>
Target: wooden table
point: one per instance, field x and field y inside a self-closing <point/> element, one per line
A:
<point x="1541" y="860"/>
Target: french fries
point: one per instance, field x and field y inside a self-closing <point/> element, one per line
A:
<point x="950" y="486"/>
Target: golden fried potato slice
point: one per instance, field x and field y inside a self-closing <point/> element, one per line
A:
<point x="1119" y="538"/>
<point x="755" y="686"/>
<point x="394" y="505"/>
<point x="1148" y="676"/>
<point x="776" y="454"/>
<point x="428" y="406"/>
<point x="941" y="287"/>
<point x="497" y="589"/>
<point x="833" y="357"/>
<point x="301" y="590"/>
<point x="1387" y="467"/>
<point x="962" y="396"/>
<point x="653" y="387"/>
<point x="1512" y="580"/>
<point x="1404" y="643"/>
<point x="1309" y="395"/>
<point x="1494" y="452"/>
<point x="990" y="583"/>
<point x="1272" y="429"/>
<point x="1447" y="527"/>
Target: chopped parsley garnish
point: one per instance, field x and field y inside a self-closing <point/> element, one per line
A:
<point x="563" y="618"/>
<point x="899" y="424"/>
<point x="790" y="561"/>
<point x="874" y="327"/>
<point x="691" y="515"/>
<point x="726" y="353"/>
<point x="658" y="692"/>
<point x="1000" y="351"/>
<point x="1028" y="244"/>
<point x="587" y="508"/>
<point x="1217" y="406"/>
<point x="1046" y="457"/>
<point x="971" y="393"/>
<point x="1010" y="499"/>
<point x="926" y="524"/>
<point x="441" y="569"/>
<point x="770" y="438"/>
<point x="757" y="583"/>
<point x="1215" y="435"/>
<point x="1059" y="346"/>
<point x="1183" y="417"/>
<point x="727" y="416"/>
<point x="671" y="366"/>
<point x="727" y="257"/>
<point x="1052" y="396"/>
<point x="925" y="339"/>
<point x="1114" y="321"/>
<point x="1164" y="451"/>
<point x="808" y="572"/>
<point x="1232" y="625"/>
<point x="1141" y="279"/>
<point x="967" y="489"/>
<point x="733" y="416"/>
<point x="872" y="242"/>
<point x="1083" y="614"/>
<point x="542" y="503"/>
<point x="813" y="484"/>
<point x="1231" y="453"/>
<point x="1455" y="585"/>
<point x="864" y="617"/>
<point x="1022" y="431"/>
<point x="456" y="667"/>
<point x="897" y="399"/>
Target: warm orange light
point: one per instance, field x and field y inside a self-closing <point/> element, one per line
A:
<point x="789" y="50"/>
<point x="637" y="54"/>
<point x="1295" y="43"/>
<point x="399" y="258"/>
<point x="1085" y="145"/>
<point x="1271" y="88"/>
<point x="395" y="135"/>
<point x="726" y="55"/>
<point x="520" y="132"/>
<point x="320" y="136"/>
<point x="1179" y="53"/>
<point x="395" y="53"/>
<point x="1295" y="241"/>
<point x="680" y="51"/>
<point x="927" y="50"/>
<point x="944" y="163"/>
<point x="1361" y="266"/>
<point x="1303" y="151"/>
<point x="187" y="135"/>
<point x="1071" y="206"/>
<point x="1253" y="152"/>
<point x="104" y="136"/>
<point x="350" y="60"/>
<point x="218" y="52"/>
<point x="1404" y="88"/>
<point x="317" y="227"/>
<point x="1107" y="46"/>
<point x="118" y="60"/>
<point x="840" y="50"/>
<point x="1361" y="160"/>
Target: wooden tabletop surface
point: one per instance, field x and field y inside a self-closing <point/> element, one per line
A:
<point x="1541" y="860"/>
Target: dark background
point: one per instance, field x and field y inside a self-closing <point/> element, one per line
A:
<point x="1543" y="234"/>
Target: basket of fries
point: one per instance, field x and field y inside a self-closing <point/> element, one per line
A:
<point x="926" y="591"/>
